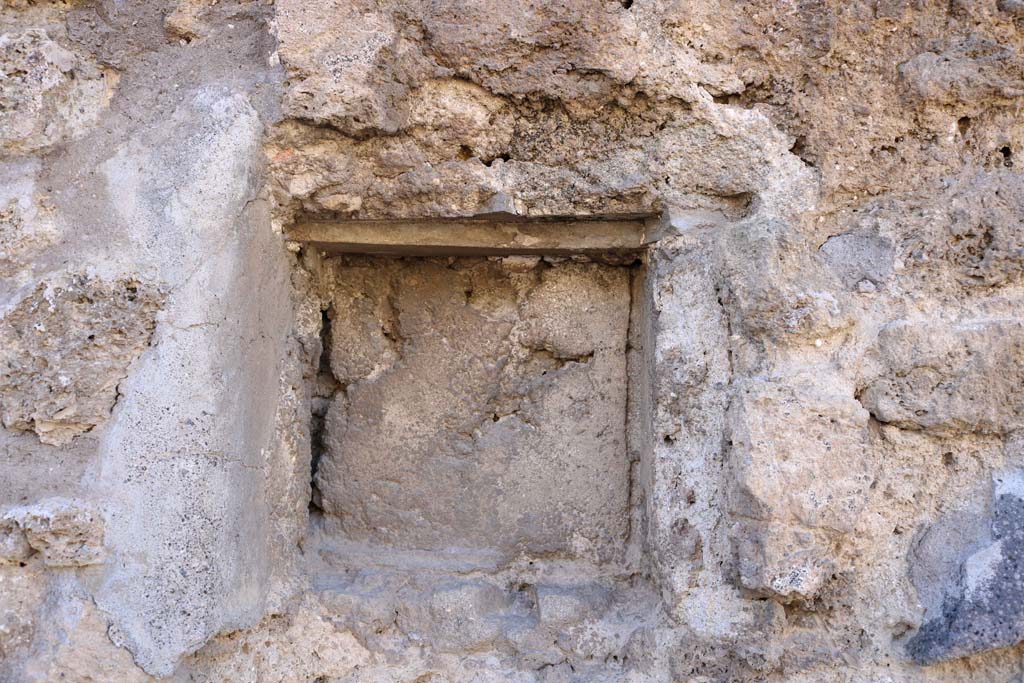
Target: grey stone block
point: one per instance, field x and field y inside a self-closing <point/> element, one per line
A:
<point x="988" y="613"/>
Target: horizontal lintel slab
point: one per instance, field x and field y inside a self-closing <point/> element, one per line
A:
<point x="457" y="237"/>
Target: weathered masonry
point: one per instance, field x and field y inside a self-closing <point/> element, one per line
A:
<point x="491" y="341"/>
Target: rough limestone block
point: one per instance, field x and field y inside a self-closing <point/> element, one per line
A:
<point x="66" y="347"/>
<point x="25" y="226"/>
<point x="984" y="240"/>
<point x="961" y="73"/>
<point x="300" y="647"/>
<point x="585" y="45"/>
<point x="800" y="477"/>
<point x="781" y="560"/>
<point x="483" y="408"/>
<point x="769" y="302"/>
<point x="68" y="533"/>
<point x="857" y="257"/>
<point x="949" y="379"/>
<point x="23" y="593"/>
<point x="562" y="606"/>
<point x="14" y="547"/>
<point x="460" y="616"/>
<point x="46" y="92"/>
<point x="798" y="455"/>
<point x="350" y="67"/>
<point x="986" y="611"/>
<point x="79" y="649"/>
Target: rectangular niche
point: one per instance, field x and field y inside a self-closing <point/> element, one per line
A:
<point x="478" y="400"/>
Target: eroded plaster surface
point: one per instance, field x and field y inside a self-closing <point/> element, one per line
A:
<point x="482" y="405"/>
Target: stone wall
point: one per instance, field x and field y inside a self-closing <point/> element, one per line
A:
<point x="787" y="445"/>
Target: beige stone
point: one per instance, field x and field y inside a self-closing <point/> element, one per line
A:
<point x="949" y="378"/>
<point x="66" y="347"/>
<point x="268" y="467"/>
<point x="464" y="382"/>
<point x="66" y="533"/>
<point x="47" y="93"/>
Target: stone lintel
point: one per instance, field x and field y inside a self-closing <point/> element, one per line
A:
<point x="482" y="236"/>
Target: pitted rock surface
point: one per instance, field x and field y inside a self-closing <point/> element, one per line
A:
<point x="986" y="614"/>
<point x="467" y="381"/>
<point x="66" y="346"/>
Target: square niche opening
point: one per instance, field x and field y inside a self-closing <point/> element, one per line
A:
<point x="474" y="394"/>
